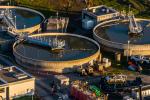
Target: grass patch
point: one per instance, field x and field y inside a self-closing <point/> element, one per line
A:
<point x="27" y="98"/>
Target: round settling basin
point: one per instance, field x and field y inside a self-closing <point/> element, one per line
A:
<point x="78" y="50"/>
<point x="26" y="20"/>
<point x="114" y="34"/>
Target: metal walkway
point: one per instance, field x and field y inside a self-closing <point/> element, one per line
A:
<point x="134" y="27"/>
<point x="9" y="19"/>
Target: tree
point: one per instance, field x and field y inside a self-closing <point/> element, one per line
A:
<point x="67" y="4"/>
<point x="88" y="3"/>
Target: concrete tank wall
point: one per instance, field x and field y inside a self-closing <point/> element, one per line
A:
<point x="59" y="67"/>
<point x="54" y="66"/>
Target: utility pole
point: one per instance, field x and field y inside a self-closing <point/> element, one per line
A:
<point x="128" y="50"/>
<point x="15" y="23"/>
<point x="57" y="21"/>
<point x="10" y="2"/>
<point x="140" y="92"/>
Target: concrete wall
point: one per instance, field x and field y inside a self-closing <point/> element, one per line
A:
<point x="17" y="89"/>
<point x="107" y="16"/>
<point x="3" y="94"/>
<point x="59" y="67"/>
<point x="54" y="66"/>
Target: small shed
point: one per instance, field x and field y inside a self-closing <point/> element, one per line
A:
<point x="62" y="80"/>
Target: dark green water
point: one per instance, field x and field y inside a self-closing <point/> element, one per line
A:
<point x="75" y="48"/>
<point x="5" y="36"/>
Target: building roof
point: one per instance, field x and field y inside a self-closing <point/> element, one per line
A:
<point x="100" y="10"/>
<point x="13" y="74"/>
<point x="61" y="77"/>
<point x="144" y="87"/>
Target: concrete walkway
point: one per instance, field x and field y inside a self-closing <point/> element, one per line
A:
<point x="42" y="93"/>
<point x="44" y="90"/>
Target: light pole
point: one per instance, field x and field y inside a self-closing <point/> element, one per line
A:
<point x="10" y="2"/>
<point x="15" y="23"/>
<point x="24" y="26"/>
<point x="57" y="20"/>
<point x="32" y="92"/>
<point x="129" y="7"/>
<point x="32" y="96"/>
<point x="128" y="51"/>
<point x="24" y="34"/>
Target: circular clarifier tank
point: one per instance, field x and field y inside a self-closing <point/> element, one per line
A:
<point x="6" y="41"/>
<point x="115" y="36"/>
<point x="25" y="19"/>
<point x="77" y="51"/>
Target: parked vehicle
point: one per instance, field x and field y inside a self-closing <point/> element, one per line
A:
<point x="96" y="90"/>
<point x="82" y="71"/>
<point x="89" y="70"/>
<point x="142" y="59"/>
<point x="116" y="78"/>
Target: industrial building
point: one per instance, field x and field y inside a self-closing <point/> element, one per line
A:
<point x="55" y="24"/>
<point x="14" y="83"/>
<point x="145" y="92"/>
<point x="93" y="15"/>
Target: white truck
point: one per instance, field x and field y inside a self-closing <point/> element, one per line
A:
<point x="141" y="59"/>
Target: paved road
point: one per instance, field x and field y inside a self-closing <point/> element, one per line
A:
<point x="43" y="91"/>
